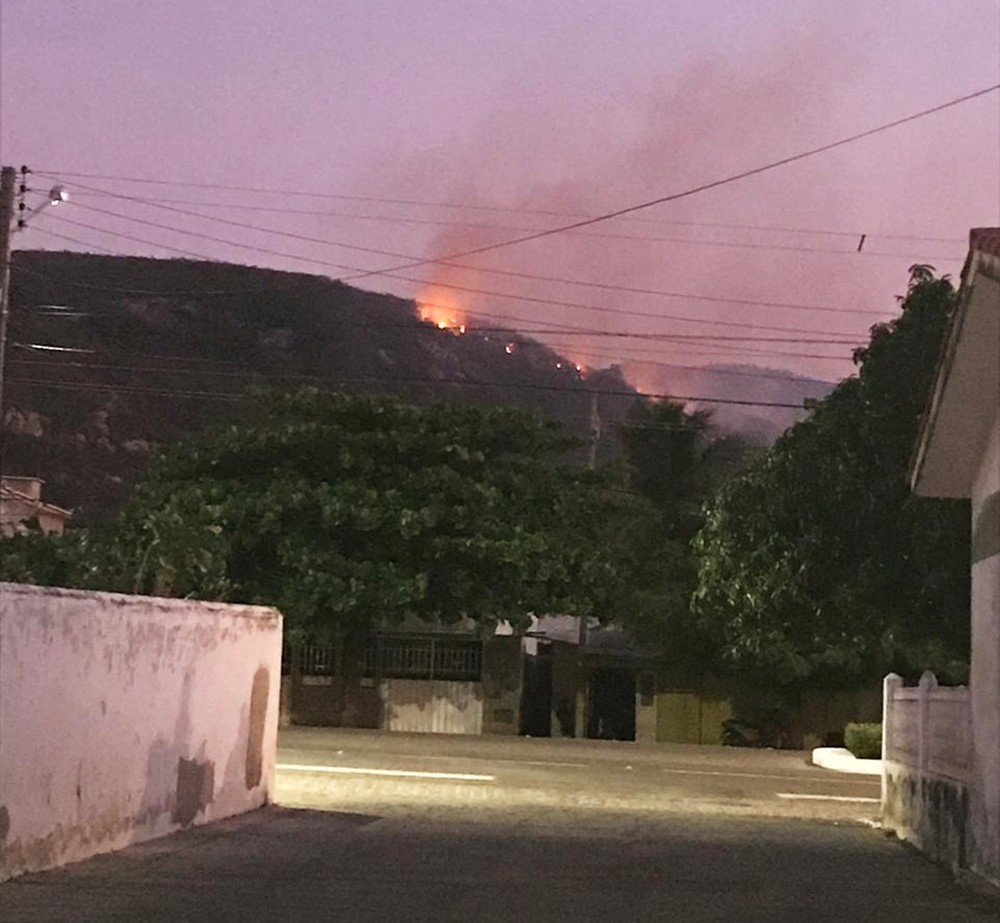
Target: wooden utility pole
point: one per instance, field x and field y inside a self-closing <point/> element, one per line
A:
<point x="8" y="186"/>
<point x="595" y="431"/>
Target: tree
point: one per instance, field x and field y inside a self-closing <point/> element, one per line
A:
<point x="45" y="560"/>
<point x="350" y="512"/>
<point x="818" y="565"/>
<point x="674" y="461"/>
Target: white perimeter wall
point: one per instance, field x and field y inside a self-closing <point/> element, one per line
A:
<point x="984" y="680"/>
<point x="124" y="718"/>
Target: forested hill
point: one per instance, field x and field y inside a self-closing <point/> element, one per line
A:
<point x="161" y="348"/>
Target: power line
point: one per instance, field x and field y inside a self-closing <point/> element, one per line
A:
<point x="139" y="240"/>
<point x="852" y="251"/>
<point x="424" y="326"/>
<point x="73" y="240"/>
<point x="506" y="332"/>
<point x="230" y="397"/>
<point x="190" y="233"/>
<point x="527" y="386"/>
<point x="480" y="269"/>
<point x="548" y="213"/>
<point x="318" y="280"/>
<point x="125" y="389"/>
<point x="603" y="309"/>
<point x="704" y="349"/>
<point x="522" y="341"/>
<point x="310" y="281"/>
<point x="704" y="187"/>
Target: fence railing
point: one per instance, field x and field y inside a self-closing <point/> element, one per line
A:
<point x="398" y="657"/>
<point x="927" y="728"/>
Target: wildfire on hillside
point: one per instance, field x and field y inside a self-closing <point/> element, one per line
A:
<point x="439" y="307"/>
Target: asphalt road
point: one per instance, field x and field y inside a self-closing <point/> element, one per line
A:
<point x="513" y="779"/>
<point x="520" y="830"/>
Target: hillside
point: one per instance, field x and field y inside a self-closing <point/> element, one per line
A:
<point x="150" y="350"/>
<point x="760" y="425"/>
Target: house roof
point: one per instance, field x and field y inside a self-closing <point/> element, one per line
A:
<point x="606" y="640"/>
<point x="966" y="390"/>
<point x="985" y="240"/>
<point x="9" y="493"/>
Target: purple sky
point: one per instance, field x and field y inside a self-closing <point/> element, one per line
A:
<point x="569" y="106"/>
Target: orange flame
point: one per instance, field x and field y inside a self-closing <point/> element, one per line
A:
<point x="440" y="308"/>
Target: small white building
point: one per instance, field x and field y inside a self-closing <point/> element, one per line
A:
<point x="958" y="455"/>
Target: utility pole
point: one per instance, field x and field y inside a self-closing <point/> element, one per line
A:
<point x="8" y="185"/>
<point x="595" y="431"/>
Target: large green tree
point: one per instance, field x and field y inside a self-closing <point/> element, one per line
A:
<point x="674" y="460"/>
<point x="346" y="512"/>
<point x="818" y="565"/>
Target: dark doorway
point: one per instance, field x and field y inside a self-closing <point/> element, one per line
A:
<point x="536" y="693"/>
<point x="612" y="705"/>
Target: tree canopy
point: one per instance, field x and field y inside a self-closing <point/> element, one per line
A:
<point x="818" y="564"/>
<point x="348" y="512"/>
<point x="673" y="460"/>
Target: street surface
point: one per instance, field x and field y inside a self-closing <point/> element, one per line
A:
<point x="517" y="779"/>
<point x="427" y="828"/>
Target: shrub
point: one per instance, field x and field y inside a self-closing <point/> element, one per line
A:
<point x="864" y="740"/>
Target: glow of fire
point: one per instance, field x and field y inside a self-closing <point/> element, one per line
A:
<point x="440" y="309"/>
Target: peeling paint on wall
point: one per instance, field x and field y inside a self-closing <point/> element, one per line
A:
<point x="164" y="686"/>
<point x="195" y="789"/>
<point x="255" y="738"/>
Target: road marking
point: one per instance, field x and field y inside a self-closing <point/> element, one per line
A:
<point x="796" y="796"/>
<point x="503" y="759"/>
<point x="426" y="757"/>
<point x="542" y="763"/>
<point x="394" y="773"/>
<point x="763" y="775"/>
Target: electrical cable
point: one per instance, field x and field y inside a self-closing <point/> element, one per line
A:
<point x="466" y="267"/>
<point x="322" y="280"/>
<point x="527" y="386"/>
<point x="704" y="187"/>
<point x="602" y="309"/>
<point x="243" y="225"/>
<point x="433" y="222"/>
<point x="522" y="341"/>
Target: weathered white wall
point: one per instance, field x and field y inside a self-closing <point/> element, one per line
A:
<point x="984" y="680"/>
<point x="124" y="718"/>
<point x="926" y="766"/>
<point x="432" y="706"/>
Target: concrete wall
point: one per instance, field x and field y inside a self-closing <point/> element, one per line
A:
<point x="432" y="706"/>
<point x="691" y="717"/>
<point x="984" y="838"/>
<point x="926" y="767"/>
<point x="502" y="666"/>
<point x="568" y="691"/>
<point x="124" y="718"/>
<point x="645" y="706"/>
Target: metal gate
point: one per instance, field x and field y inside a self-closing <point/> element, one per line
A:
<point x="432" y="706"/>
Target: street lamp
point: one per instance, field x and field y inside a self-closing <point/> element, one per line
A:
<point x="57" y="195"/>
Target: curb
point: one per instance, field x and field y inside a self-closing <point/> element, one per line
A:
<point x="840" y="760"/>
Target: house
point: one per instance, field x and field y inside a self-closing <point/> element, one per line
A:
<point x="21" y="503"/>
<point x="417" y="676"/>
<point x="958" y="455"/>
<point x="584" y="679"/>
